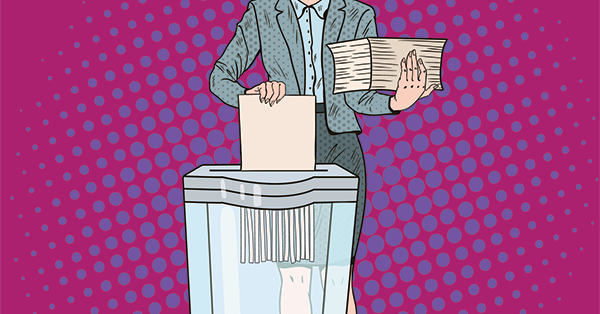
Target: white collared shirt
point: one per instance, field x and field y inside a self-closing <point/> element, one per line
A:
<point x="311" y="20"/>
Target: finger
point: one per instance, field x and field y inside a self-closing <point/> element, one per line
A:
<point x="276" y="91"/>
<point x="263" y="92"/>
<point x="429" y="90"/>
<point x="415" y="65"/>
<point x="402" y="71"/>
<point x="405" y="73"/>
<point x="411" y="75"/>
<point x="255" y="89"/>
<point x="268" y="92"/>
<point x="281" y="91"/>
<point x="423" y="71"/>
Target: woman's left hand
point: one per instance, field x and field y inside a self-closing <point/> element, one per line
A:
<point x="411" y="85"/>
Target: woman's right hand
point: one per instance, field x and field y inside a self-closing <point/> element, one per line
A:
<point x="269" y="92"/>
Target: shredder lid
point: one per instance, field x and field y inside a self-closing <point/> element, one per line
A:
<point x="269" y="189"/>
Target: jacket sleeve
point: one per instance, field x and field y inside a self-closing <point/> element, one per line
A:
<point x="238" y="56"/>
<point x="368" y="102"/>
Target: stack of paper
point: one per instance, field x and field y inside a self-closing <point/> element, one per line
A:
<point x="374" y="63"/>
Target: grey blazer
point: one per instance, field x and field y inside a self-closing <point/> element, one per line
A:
<point x="270" y="27"/>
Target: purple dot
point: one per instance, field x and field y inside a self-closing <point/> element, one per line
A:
<point x="170" y="240"/>
<point x="116" y="260"/>
<point x="159" y="97"/>
<point x="423" y="205"/>
<point x="111" y="242"/>
<point x="407" y="274"/>
<point x="209" y="120"/>
<point x="414" y="122"/>
<point x="436" y="241"/>
<point x="205" y="58"/>
<point x="130" y="297"/>
<point x="176" y="90"/>
<point x="398" y="24"/>
<point x="420" y="142"/>
<point x="188" y="65"/>
<point x="152" y="246"/>
<point x="391" y="175"/>
<point x="148" y="290"/>
<point x="128" y="236"/>
<point x="467" y="271"/>
<point x="478" y="245"/>
<point x="227" y="113"/>
<point x="141" y="272"/>
<point x="165" y="221"/>
<point x="415" y="16"/>
<point x="365" y="269"/>
<point x="475" y="184"/>
<point x="413" y="292"/>
<point x="215" y="138"/>
<point x="440" y="198"/>
<point x="402" y="150"/>
<point x="472" y="226"/>
<point x="378" y="136"/>
<point x="417" y="248"/>
<point x="427" y="161"/>
<point x="464" y="39"/>
<point x="182" y="276"/>
<point x="398" y="193"/>
<point x="404" y="212"/>
<point x="449" y="278"/>
<point x="147" y="229"/>
<point x="152" y="79"/>
<point x="173" y="135"/>
<point x="174" y="29"/>
<point x="163" y="54"/>
<point x="124" y="278"/>
<point x="216" y="33"/>
<point x="375" y="244"/>
<point x="451" y="173"/>
<point x="416" y="186"/>
<point x="453" y="64"/>
<point x="411" y="230"/>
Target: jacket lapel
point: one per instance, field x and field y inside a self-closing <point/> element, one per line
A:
<point x="333" y="22"/>
<point x="288" y="24"/>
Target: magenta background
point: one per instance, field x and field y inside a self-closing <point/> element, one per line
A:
<point x="35" y="30"/>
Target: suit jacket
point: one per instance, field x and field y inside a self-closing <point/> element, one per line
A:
<point x="270" y="27"/>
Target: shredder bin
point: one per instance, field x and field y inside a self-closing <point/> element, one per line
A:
<point x="222" y="207"/>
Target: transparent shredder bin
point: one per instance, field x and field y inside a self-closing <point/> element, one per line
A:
<point x="243" y="228"/>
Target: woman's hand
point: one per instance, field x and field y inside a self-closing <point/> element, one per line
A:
<point x="270" y="92"/>
<point x="411" y="85"/>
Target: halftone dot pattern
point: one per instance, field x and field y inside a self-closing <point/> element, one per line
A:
<point x="468" y="191"/>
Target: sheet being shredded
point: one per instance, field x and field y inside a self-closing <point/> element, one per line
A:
<point x="277" y="235"/>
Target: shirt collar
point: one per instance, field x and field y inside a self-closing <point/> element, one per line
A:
<point x="320" y="7"/>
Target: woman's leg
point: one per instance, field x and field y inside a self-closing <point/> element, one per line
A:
<point x="351" y="300"/>
<point x="337" y="276"/>
<point x="295" y="290"/>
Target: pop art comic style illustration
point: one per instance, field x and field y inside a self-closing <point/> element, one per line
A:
<point x="473" y="191"/>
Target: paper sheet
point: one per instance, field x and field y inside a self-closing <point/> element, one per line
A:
<point x="278" y="138"/>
